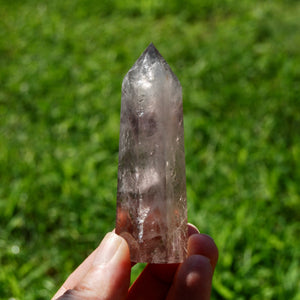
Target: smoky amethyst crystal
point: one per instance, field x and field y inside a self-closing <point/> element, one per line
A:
<point x="151" y="198"/>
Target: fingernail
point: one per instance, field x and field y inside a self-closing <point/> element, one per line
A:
<point x="107" y="249"/>
<point x="192" y="229"/>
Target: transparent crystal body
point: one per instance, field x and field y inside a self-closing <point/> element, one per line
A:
<point x="151" y="198"/>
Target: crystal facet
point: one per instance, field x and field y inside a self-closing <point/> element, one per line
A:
<point x="151" y="199"/>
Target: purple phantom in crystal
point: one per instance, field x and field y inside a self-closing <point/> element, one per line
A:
<point x="151" y="199"/>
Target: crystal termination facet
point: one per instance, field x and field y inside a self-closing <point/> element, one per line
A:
<point x="151" y="198"/>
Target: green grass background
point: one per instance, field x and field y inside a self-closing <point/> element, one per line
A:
<point x="61" y="69"/>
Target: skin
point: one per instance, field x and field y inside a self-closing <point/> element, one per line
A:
<point x="105" y="273"/>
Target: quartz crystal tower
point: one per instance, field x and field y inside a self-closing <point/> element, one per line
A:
<point x="151" y="199"/>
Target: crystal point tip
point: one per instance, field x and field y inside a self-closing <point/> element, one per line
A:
<point x="151" y="48"/>
<point x="150" y="56"/>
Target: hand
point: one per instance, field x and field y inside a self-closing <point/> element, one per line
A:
<point x="105" y="274"/>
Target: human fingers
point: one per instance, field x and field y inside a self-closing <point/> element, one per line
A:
<point x="109" y="274"/>
<point x="192" y="229"/>
<point x="192" y="280"/>
<point x="77" y="275"/>
<point x="203" y="244"/>
<point x="152" y="284"/>
<point x="194" y="277"/>
<point x="155" y="280"/>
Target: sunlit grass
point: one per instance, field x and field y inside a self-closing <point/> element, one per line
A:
<point x="61" y="68"/>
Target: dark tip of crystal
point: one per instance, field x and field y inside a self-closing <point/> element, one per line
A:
<point x="152" y="51"/>
<point x="151" y="45"/>
<point x="152" y="55"/>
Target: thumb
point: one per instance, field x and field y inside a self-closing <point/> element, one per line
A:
<point x="109" y="275"/>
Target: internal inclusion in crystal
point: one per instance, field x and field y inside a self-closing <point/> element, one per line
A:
<point x="151" y="198"/>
